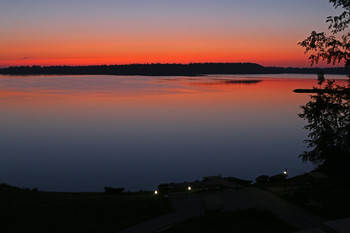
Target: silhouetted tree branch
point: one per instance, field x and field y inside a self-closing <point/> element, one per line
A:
<point x="340" y="22"/>
<point x="336" y="47"/>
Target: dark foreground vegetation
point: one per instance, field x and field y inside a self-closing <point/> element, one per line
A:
<point x="25" y="210"/>
<point x="191" y="69"/>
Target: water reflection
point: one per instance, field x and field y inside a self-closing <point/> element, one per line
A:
<point x="82" y="133"/>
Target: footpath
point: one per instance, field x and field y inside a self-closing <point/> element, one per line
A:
<point x="190" y="205"/>
<point x="187" y="205"/>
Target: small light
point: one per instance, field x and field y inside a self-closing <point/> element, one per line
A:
<point x="285" y="172"/>
<point x="189" y="188"/>
<point x="156" y="192"/>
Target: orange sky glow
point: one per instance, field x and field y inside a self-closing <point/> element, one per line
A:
<point x="150" y="52"/>
<point x="116" y="32"/>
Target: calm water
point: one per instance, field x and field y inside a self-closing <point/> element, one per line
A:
<point x="81" y="133"/>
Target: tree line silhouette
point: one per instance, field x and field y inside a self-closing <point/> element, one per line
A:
<point x="157" y="69"/>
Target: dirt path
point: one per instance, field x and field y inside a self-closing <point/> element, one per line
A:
<point x="257" y="198"/>
<point x="190" y="205"/>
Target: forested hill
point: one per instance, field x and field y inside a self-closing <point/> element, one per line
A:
<point x="142" y="69"/>
<point x="164" y="69"/>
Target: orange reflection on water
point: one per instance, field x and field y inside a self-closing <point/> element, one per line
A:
<point x="186" y="92"/>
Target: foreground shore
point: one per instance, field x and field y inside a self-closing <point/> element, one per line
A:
<point x="285" y="205"/>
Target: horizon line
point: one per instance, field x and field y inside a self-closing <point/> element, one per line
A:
<point x="189" y="63"/>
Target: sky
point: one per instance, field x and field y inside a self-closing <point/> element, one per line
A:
<point x="88" y="32"/>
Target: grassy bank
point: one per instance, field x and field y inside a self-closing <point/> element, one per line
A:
<point x="48" y="212"/>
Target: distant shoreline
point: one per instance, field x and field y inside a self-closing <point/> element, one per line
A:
<point x="192" y="69"/>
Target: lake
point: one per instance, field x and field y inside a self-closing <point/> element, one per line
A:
<point x="82" y="133"/>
